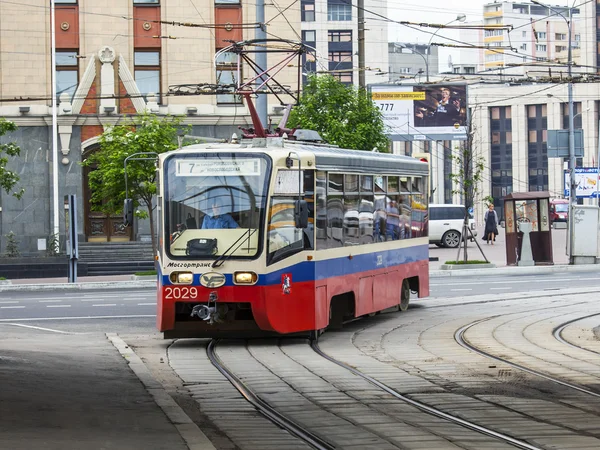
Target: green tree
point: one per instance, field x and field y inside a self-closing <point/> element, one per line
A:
<point x="8" y="179"/>
<point x="343" y="115"/>
<point x="467" y="181"/>
<point x="139" y="134"/>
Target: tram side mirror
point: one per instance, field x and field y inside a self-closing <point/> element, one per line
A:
<point x="128" y="212"/>
<point x="301" y="213"/>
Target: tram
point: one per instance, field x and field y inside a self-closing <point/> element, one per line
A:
<point x="291" y="236"/>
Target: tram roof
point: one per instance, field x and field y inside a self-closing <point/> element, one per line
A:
<point x="345" y="160"/>
<point x="333" y="159"/>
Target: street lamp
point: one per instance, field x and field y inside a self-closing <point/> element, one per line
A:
<point x="459" y="18"/>
<point x="573" y="186"/>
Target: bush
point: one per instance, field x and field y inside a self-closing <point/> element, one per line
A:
<point x="474" y="261"/>
<point x="145" y="273"/>
<point x="12" y="245"/>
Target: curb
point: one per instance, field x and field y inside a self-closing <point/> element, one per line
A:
<point x="79" y="286"/>
<point x="535" y="270"/>
<point x="193" y="436"/>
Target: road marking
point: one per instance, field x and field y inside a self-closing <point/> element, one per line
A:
<point x="10" y="302"/>
<point x="38" y="328"/>
<point x="51" y="301"/>
<point x="147" y="304"/>
<point x="35" y="319"/>
<point x="12" y="307"/>
<point x="58" y="306"/>
<point x="106" y="304"/>
<point x="461" y="289"/>
<point x="499" y="288"/>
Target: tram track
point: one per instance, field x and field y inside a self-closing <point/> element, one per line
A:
<point x="427" y="408"/>
<point x="460" y="338"/>
<point x="557" y="333"/>
<point x="263" y="407"/>
<point x="315" y="441"/>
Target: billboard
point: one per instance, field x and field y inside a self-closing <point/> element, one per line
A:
<point x="586" y="179"/>
<point x="423" y="112"/>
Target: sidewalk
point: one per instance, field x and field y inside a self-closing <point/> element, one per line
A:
<point x="496" y="254"/>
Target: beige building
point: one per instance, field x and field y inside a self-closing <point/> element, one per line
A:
<point x="117" y="58"/>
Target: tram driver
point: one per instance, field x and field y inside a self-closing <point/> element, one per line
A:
<point x="218" y="219"/>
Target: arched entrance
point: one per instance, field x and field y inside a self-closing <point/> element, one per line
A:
<point x="99" y="227"/>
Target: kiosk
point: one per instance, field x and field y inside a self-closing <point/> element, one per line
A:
<point x="528" y="212"/>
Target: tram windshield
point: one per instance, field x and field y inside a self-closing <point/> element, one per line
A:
<point x="215" y="204"/>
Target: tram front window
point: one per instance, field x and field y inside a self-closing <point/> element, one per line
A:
<point x="215" y="204"/>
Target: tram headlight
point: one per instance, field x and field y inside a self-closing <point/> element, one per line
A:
<point x="245" y="278"/>
<point x="181" y="277"/>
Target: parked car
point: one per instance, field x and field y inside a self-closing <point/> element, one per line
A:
<point x="446" y="223"/>
<point x="559" y="210"/>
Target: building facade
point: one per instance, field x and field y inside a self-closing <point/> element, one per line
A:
<point x="331" y="28"/>
<point x="409" y="60"/>
<point x="113" y="59"/>
<point x="539" y="36"/>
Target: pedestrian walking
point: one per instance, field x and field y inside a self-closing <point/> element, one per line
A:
<point x="491" y="224"/>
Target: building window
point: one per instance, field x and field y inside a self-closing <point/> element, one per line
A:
<point x="523" y="46"/>
<point x="541" y="34"/>
<point x="67" y="72"/>
<point x="337" y="12"/>
<point x="308" y="12"/>
<point x="340" y="56"/>
<point x="309" y="36"/>
<point x="560" y="36"/>
<point x="340" y="36"/>
<point x="540" y="47"/>
<point x="560" y="48"/>
<point x="227" y="76"/>
<point x="147" y="72"/>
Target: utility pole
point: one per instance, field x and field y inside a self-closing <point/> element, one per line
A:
<point x="261" y="61"/>
<point x="361" y="44"/>
<point x="55" y="220"/>
<point x="573" y="187"/>
<point x="573" y="184"/>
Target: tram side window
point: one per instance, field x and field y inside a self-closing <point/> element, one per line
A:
<point x="366" y="209"/>
<point x="404" y="205"/>
<point x="419" y="208"/>
<point x="351" y="213"/>
<point x="284" y="239"/>
<point x="321" y="210"/>
<point x="335" y="211"/>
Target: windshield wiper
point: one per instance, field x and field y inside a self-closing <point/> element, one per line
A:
<point x="224" y="256"/>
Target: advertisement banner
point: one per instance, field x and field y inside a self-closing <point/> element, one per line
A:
<point x="424" y="112"/>
<point x="586" y="179"/>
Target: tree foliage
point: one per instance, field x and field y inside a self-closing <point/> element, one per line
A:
<point x="8" y="179"/>
<point x="140" y="134"/>
<point x="343" y="115"/>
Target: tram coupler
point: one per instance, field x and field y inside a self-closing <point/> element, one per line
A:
<point x="208" y="312"/>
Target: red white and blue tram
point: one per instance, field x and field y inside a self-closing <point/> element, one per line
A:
<point x="290" y="237"/>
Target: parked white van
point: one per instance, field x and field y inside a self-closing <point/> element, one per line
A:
<point x="445" y="225"/>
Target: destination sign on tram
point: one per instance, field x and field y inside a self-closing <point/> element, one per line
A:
<point x="217" y="167"/>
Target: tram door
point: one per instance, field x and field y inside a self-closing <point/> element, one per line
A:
<point x="100" y="227"/>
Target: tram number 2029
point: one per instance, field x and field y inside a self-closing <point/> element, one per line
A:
<point x="181" y="293"/>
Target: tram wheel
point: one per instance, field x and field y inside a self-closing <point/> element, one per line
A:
<point x="404" y="295"/>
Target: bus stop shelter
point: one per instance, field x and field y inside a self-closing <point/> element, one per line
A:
<point x="528" y="213"/>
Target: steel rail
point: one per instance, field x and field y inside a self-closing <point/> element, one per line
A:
<point x="459" y="337"/>
<point x="263" y="407"/>
<point x="557" y="332"/>
<point x="426" y="408"/>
